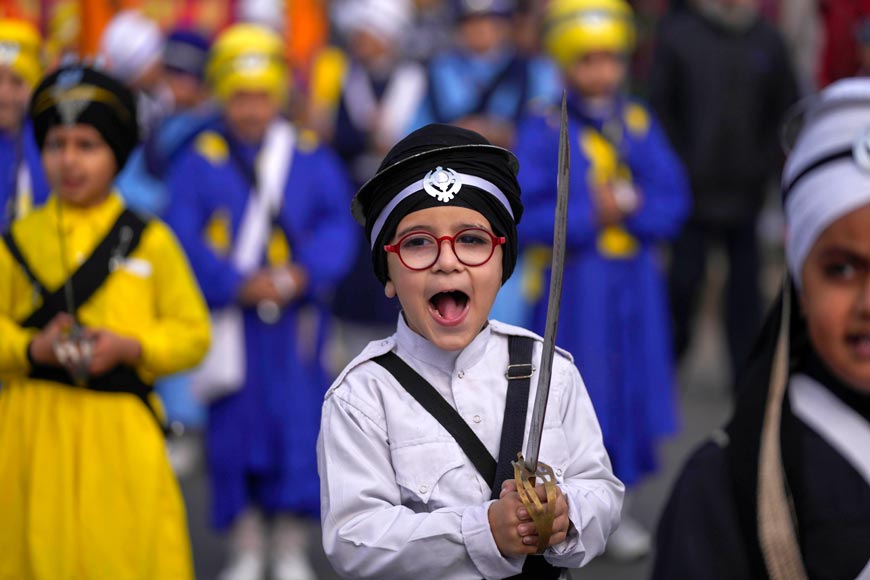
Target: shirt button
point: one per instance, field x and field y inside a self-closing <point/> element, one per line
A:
<point x="477" y="419"/>
<point x="559" y="472"/>
<point x="424" y="488"/>
<point x="461" y="374"/>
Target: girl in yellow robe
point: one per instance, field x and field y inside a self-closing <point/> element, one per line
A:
<point x="86" y="489"/>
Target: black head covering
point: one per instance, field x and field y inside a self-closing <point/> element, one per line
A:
<point x="412" y="158"/>
<point x="78" y="94"/>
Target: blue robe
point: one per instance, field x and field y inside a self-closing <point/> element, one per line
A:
<point x="261" y="440"/>
<point x="15" y="149"/>
<point x="614" y="317"/>
<point x="462" y="84"/>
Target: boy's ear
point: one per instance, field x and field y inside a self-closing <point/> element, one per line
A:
<point x="390" y="289"/>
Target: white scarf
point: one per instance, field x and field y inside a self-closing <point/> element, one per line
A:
<point x="223" y="370"/>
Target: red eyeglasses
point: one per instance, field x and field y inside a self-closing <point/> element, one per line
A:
<point x="420" y="250"/>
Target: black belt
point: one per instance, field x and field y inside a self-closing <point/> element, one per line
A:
<point x="121" y="379"/>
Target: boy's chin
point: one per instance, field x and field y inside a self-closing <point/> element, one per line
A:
<point x="450" y="341"/>
<point x="857" y="379"/>
<point x="860" y="384"/>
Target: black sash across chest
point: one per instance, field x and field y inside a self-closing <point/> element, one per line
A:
<point x="123" y="238"/>
<point x="494" y="472"/>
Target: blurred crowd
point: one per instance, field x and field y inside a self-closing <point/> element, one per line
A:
<point x="680" y="111"/>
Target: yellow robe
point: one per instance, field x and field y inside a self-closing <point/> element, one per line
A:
<point x="86" y="489"/>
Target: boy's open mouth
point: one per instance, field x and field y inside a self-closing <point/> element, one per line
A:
<point x="449" y="306"/>
<point x="860" y="343"/>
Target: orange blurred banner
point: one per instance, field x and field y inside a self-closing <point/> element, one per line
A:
<point x="76" y="25"/>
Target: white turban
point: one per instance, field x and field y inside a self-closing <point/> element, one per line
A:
<point x="131" y="43"/>
<point x="386" y="19"/>
<point x="827" y="174"/>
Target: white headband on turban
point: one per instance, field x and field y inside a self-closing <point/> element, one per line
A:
<point x="827" y="174"/>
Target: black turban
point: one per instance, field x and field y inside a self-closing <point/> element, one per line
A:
<point x="458" y="152"/>
<point x="79" y="94"/>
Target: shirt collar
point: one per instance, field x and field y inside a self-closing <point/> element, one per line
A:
<point x="101" y="214"/>
<point x="422" y="350"/>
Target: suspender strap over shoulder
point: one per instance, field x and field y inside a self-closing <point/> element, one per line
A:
<point x="434" y="403"/>
<point x="519" y="376"/>
<point x="119" y="243"/>
<point x="15" y="251"/>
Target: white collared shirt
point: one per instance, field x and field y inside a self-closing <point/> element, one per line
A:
<point x="399" y="497"/>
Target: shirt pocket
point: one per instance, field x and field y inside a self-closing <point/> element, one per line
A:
<point x="554" y="450"/>
<point x="131" y="283"/>
<point x="421" y="467"/>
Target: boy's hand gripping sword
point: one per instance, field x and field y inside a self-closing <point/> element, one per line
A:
<point x="527" y="468"/>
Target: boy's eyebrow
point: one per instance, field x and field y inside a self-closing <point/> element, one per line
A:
<point x="425" y="228"/>
<point x="839" y="250"/>
<point x="414" y="228"/>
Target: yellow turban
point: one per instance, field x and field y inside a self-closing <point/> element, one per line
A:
<point x="248" y="57"/>
<point x="573" y="28"/>
<point x="20" y="49"/>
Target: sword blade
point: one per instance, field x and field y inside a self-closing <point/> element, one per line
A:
<point x="557" y="271"/>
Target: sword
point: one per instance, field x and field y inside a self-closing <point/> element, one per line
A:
<point x="527" y="468"/>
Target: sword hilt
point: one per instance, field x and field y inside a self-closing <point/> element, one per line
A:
<point x="542" y="514"/>
<point x="73" y="351"/>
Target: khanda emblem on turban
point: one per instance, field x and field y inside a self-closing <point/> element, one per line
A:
<point x="442" y="184"/>
<point x="69" y="108"/>
<point x="861" y="150"/>
<point x="250" y="63"/>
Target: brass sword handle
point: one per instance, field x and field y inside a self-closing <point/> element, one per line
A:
<point x="542" y="514"/>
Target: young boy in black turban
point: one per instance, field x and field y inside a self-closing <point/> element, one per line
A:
<point x="400" y="497"/>
<point x="95" y="303"/>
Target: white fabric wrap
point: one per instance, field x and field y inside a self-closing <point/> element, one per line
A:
<point x="223" y="370"/>
<point x="835" y="122"/>
<point x="464" y="179"/>
<point x="837" y="423"/>
<point x="388" y="19"/>
<point x="131" y="43"/>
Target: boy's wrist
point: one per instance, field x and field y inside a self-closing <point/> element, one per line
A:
<point x="132" y="351"/>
